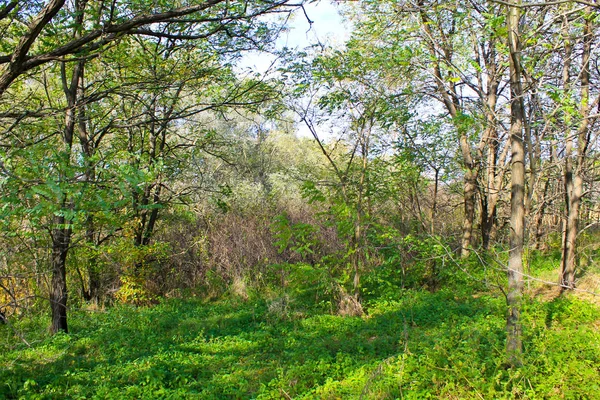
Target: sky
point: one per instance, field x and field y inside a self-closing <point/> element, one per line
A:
<point x="327" y="27"/>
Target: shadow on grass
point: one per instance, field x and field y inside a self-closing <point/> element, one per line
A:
<point x="189" y="349"/>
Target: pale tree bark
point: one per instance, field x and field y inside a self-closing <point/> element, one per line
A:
<point x="488" y="59"/>
<point x="450" y="98"/>
<point x="449" y="79"/>
<point x="517" y="211"/>
<point x="575" y="153"/>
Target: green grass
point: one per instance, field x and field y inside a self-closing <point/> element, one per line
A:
<point x="424" y="345"/>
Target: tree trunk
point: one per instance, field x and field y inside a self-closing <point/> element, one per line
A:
<point x="538" y="223"/>
<point x="92" y="265"/>
<point x="469" y="218"/>
<point x="61" y="238"/>
<point x="358" y="256"/>
<point x="574" y="165"/>
<point x="448" y="93"/>
<point x="517" y="211"/>
<point x="488" y="222"/>
<point x="436" y="184"/>
<point x="88" y="147"/>
<point x="61" y="231"/>
<point x="489" y="197"/>
<point x="573" y="193"/>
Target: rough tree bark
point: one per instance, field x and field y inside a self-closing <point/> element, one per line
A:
<point x="61" y="239"/>
<point x="517" y="212"/>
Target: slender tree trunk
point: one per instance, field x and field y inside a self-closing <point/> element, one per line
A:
<point x="489" y="197"/>
<point x="61" y="242"/>
<point x="517" y="212"/>
<point x="358" y="256"/>
<point x="488" y="221"/>
<point x="356" y="259"/>
<point x="469" y="218"/>
<point x="436" y="184"/>
<point x="538" y="222"/>
<point x="488" y="211"/>
<point x="573" y="194"/>
<point x="450" y="97"/>
<point x="88" y="148"/>
<point x="574" y="165"/>
<point x="61" y="232"/>
<point x="92" y="265"/>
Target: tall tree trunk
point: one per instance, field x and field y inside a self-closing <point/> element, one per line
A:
<point x="488" y="221"/>
<point x="489" y="197"/>
<point x="517" y="210"/>
<point x="447" y="90"/>
<point x="573" y="194"/>
<point x="358" y="256"/>
<point x="574" y="165"/>
<point x="88" y="147"/>
<point x="61" y="231"/>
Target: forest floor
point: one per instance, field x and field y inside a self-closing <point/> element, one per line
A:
<point x="446" y="344"/>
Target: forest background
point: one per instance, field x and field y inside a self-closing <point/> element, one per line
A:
<point x="424" y="194"/>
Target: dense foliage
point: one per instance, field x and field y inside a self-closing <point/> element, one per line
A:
<point x="412" y="214"/>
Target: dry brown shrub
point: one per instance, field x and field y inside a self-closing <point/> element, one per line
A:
<point x="238" y="288"/>
<point x="349" y="306"/>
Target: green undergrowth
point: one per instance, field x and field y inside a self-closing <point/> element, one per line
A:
<point x="423" y="345"/>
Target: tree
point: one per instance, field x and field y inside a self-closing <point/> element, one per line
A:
<point x="576" y="150"/>
<point x="463" y="74"/>
<point x="517" y="199"/>
<point x="65" y="39"/>
<point x="558" y="74"/>
<point x="365" y="115"/>
<point x="106" y="23"/>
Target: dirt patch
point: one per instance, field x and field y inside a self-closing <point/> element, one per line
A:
<point x="588" y="288"/>
<point x="546" y="292"/>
